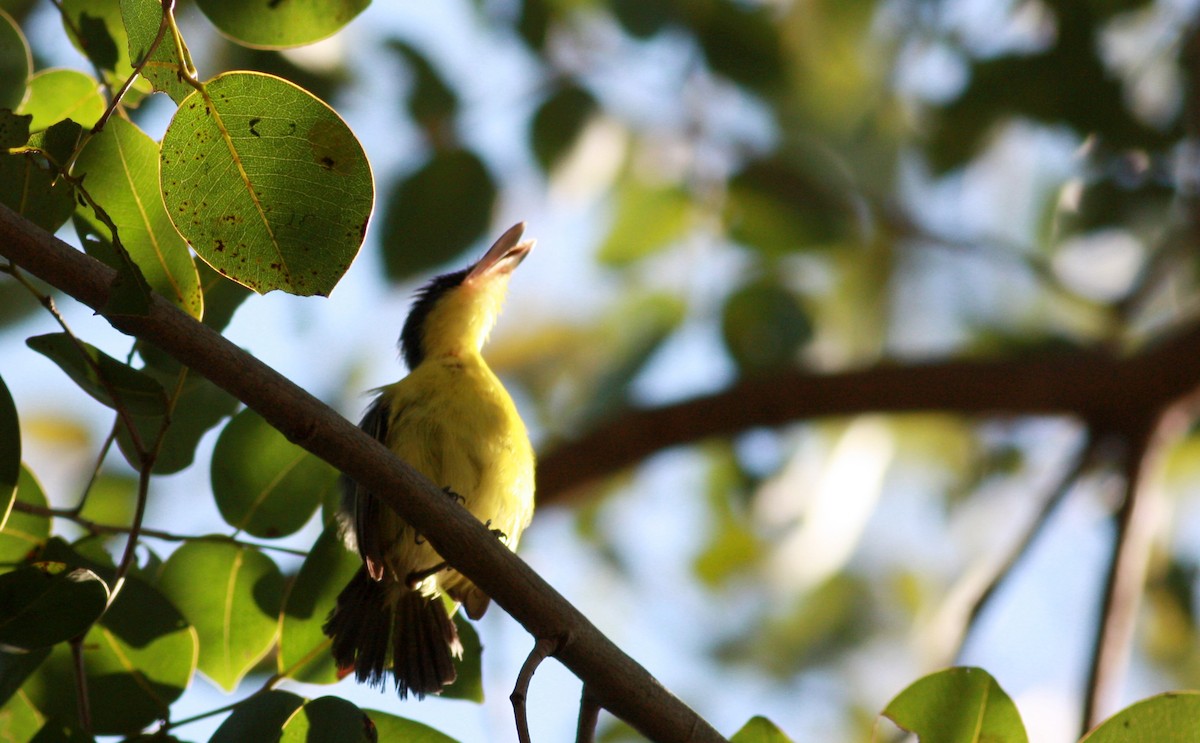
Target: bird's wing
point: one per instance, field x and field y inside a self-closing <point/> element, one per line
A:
<point x="365" y="507"/>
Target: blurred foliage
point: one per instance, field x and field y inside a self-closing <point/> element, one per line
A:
<point x="818" y="185"/>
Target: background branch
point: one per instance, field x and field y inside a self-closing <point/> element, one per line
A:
<point x="621" y="685"/>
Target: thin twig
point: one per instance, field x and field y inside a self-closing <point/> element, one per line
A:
<point x="83" y="704"/>
<point x="589" y="716"/>
<point x="542" y="649"/>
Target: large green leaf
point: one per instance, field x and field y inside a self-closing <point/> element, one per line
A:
<point x="15" y="667"/>
<point x="121" y="168"/>
<point x="29" y="185"/>
<point x="263" y="483"/>
<point x="24" y="533"/>
<point x="1173" y="717"/>
<point x="261" y="717"/>
<point x="231" y="594"/>
<point x="274" y="25"/>
<point x="267" y="183"/>
<point x="390" y="727"/>
<point x="432" y="102"/>
<point x="97" y="30"/>
<point x="558" y="122"/>
<point x="303" y="648"/>
<point x="107" y="380"/>
<point x="957" y="705"/>
<point x="16" y="63"/>
<point x="10" y="453"/>
<point x="19" y="719"/>
<point x="648" y="219"/>
<point x="46" y="603"/>
<point x="55" y="95"/>
<point x="764" y="326"/>
<point x="139" y="658"/>
<point x="162" y="69"/>
<point x="436" y="213"/>
<point x="329" y="719"/>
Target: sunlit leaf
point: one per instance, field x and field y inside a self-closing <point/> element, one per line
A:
<point x="24" y="533"/>
<point x="329" y="719"/>
<point x="111" y="499"/>
<point x="260" y="717"/>
<point x="558" y="122"/>
<point x="55" y="95"/>
<point x="121" y="169"/>
<point x="139" y="658"/>
<point x="162" y="69"/>
<point x="263" y="483"/>
<point x="764" y="326"/>
<point x="267" y="183"/>
<point x="958" y="705"/>
<point x="274" y="25"/>
<point x="648" y="219"/>
<point x="107" y="380"/>
<point x="46" y="603"/>
<point x="231" y="594"/>
<point x="303" y="648"/>
<point x="28" y="184"/>
<point x="19" y="719"/>
<point x="390" y="727"/>
<point x="16" y="63"/>
<point x="97" y="30"/>
<point x="436" y="213"/>
<point x="1173" y="717"/>
<point x="759" y="730"/>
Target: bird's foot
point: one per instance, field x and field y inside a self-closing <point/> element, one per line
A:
<point x="413" y="579"/>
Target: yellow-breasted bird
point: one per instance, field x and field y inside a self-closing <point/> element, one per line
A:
<point x="452" y="421"/>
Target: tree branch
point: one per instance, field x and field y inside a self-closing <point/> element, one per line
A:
<point x="621" y="685"/>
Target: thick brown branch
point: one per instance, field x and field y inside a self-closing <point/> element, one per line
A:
<point x="1098" y="387"/>
<point x="621" y="685"/>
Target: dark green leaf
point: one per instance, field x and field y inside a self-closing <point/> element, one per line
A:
<point x="389" y="728"/>
<point x="431" y="101"/>
<point x="436" y="213"/>
<point x="740" y="41"/>
<point x="57" y="143"/>
<point x="643" y="18"/>
<point x="959" y="705"/>
<point x="24" y="533"/>
<point x="16" y="64"/>
<point x="469" y="683"/>
<point x="781" y="204"/>
<point x="295" y="184"/>
<point x="558" y="123"/>
<point x="764" y="326"/>
<point x="329" y="719"/>
<point x="14" y="129"/>
<point x="281" y="25"/>
<point x="10" y="453"/>
<point x="261" y="717"/>
<point x="55" y="731"/>
<point x="107" y="380"/>
<point x="303" y="648"/>
<point x="14" y="669"/>
<point x="45" y="603"/>
<point x="96" y="30"/>
<point x="27" y="181"/>
<point x="231" y="594"/>
<point x="162" y="70"/>
<point x="263" y="483"/>
<point x="534" y="22"/>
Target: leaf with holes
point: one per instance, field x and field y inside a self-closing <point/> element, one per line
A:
<point x="231" y="595"/>
<point x="267" y="183"/>
<point x="263" y="483"/>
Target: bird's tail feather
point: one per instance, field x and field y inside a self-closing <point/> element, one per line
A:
<point x="421" y="636"/>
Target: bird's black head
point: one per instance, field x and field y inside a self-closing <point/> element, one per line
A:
<point x="412" y="338"/>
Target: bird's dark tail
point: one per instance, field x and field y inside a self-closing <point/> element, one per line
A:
<point x="422" y="639"/>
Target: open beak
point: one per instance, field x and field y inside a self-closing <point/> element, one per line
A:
<point x="505" y="254"/>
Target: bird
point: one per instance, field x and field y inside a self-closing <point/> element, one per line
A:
<point x="452" y="420"/>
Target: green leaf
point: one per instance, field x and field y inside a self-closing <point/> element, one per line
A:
<point x="19" y="719"/>
<point x="329" y="719"/>
<point x="759" y="730"/>
<point x="740" y="41"/>
<point x="55" y="731"/>
<point x="14" y="129"/>
<point x="57" y="143"/>
<point x="558" y="122"/>
<point x="261" y="717"/>
<point x="274" y="25"/>
<point x="263" y="483"/>
<point x="111" y="499"/>
<point x="957" y="705"/>
<point x="55" y="95"/>
<point x="199" y="406"/>
<point x="436" y="213"/>
<point x="163" y="69"/>
<point x="268" y="185"/>
<point x="469" y="682"/>
<point x="97" y="30"/>
<point x="27" y="181"/>
<point x="764" y="326"/>
<point x="231" y="594"/>
<point x="107" y="380"/>
<point x="139" y="658"/>
<point x="431" y="101"/>
<point x="648" y="219"/>
<point x="303" y="648"/>
<point x="786" y="202"/>
<point x="16" y="63"/>
<point x="45" y="603"/>
<point x="389" y="727"/>
<point x="121" y="168"/>
<point x="24" y="533"/>
<point x="642" y="18"/>
<point x="10" y="453"/>
<point x="14" y="669"/>
<point x="1173" y="717"/>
